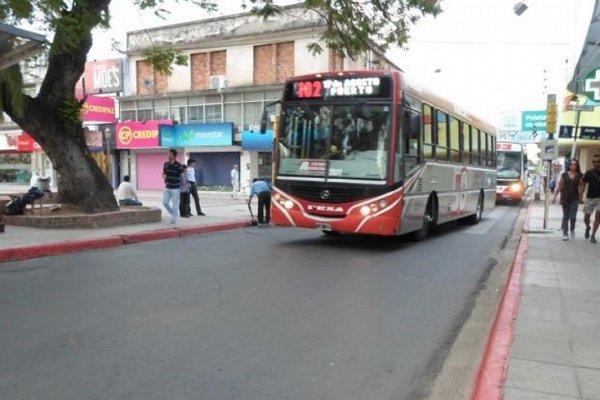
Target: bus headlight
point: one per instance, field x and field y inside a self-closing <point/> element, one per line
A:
<point x="515" y="187"/>
<point x="365" y="210"/>
<point x="288" y="204"/>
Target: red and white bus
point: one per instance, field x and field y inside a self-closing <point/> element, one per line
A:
<point x="368" y="152"/>
<point x="511" y="175"/>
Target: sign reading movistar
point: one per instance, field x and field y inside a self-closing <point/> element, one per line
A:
<point x="196" y="135"/>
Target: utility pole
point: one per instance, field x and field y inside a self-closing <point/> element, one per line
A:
<point x="550" y="150"/>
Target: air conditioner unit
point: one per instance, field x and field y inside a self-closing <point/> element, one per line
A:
<point x="218" y="81"/>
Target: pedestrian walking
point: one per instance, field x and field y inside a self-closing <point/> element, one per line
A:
<point x="552" y="184"/>
<point x="235" y="181"/>
<point x="174" y="177"/>
<point x="126" y="193"/>
<point x="591" y="181"/>
<point x="184" y="199"/>
<point x="190" y="176"/>
<point x="262" y="190"/>
<point x="568" y="187"/>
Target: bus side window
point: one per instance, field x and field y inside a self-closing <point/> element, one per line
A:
<point x="428" y="143"/>
<point x="411" y="131"/>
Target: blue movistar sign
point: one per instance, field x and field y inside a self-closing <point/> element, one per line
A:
<point x="196" y="135"/>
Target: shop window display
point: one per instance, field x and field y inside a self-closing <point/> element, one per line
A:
<point x="15" y="168"/>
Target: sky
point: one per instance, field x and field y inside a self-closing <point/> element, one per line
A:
<point x="477" y="53"/>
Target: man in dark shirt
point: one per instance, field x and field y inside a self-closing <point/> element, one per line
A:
<point x="591" y="179"/>
<point x="174" y="177"/>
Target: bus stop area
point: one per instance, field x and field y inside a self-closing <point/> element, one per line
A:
<point x="545" y="342"/>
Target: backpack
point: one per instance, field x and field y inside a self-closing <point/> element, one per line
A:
<point x="16" y="206"/>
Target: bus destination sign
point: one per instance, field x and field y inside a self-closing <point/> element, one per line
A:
<point x="338" y="87"/>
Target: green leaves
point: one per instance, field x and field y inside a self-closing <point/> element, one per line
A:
<point x="162" y="60"/>
<point x="70" y="111"/>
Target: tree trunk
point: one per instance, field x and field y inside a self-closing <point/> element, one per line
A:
<point x="81" y="182"/>
<point x="51" y="118"/>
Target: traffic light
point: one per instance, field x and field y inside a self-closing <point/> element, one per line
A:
<point x="551" y="118"/>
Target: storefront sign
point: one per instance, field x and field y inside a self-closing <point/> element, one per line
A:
<point x="132" y="135"/>
<point x="9" y="142"/>
<point x="533" y="126"/>
<point x="98" y="109"/>
<point x="101" y="77"/>
<point x="257" y="141"/>
<point x="197" y="135"/>
<point x="592" y="84"/>
<point x="93" y="139"/>
<point x="18" y="143"/>
<point x="590" y="132"/>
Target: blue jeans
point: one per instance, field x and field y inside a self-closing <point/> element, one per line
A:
<point x="129" y="202"/>
<point x="171" y="196"/>
<point x="569" y="215"/>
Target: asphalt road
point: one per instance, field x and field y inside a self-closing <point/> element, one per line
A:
<point x="256" y="313"/>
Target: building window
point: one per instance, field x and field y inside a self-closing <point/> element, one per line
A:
<point x="213" y="113"/>
<point x="128" y="115"/>
<point x="195" y="114"/>
<point x="252" y="114"/>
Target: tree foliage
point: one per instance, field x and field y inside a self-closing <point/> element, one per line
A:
<point x="52" y="116"/>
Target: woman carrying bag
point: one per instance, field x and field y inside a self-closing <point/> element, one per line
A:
<point x="568" y="187"/>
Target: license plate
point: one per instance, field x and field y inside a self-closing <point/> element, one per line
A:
<point x="324" y="227"/>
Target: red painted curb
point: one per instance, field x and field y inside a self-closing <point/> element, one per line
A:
<point x="492" y="371"/>
<point x="137" y="237"/>
<point x="195" y="230"/>
<point x="52" y="249"/>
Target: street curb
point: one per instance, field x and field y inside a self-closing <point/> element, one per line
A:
<point x="493" y="369"/>
<point x="72" y="246"/>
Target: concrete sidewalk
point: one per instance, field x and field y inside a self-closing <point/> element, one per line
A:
<point x="555" y="353"/>
<point x="222" y="212"/>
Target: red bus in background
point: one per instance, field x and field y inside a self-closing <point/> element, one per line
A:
<point x="368" y="152"/>
<point x="511" y="179"/>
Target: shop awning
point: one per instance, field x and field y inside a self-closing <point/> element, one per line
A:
<point x="590" y="54"/>
<point x="17" y="45"/>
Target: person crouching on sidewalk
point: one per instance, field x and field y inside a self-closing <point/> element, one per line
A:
<point x="262" y="190"/>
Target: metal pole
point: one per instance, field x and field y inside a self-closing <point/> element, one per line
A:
<point x="547" y="195"/>
<point x="574" y="148"/>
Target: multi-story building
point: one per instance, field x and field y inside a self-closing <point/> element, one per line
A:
<point x="236" y="64"/>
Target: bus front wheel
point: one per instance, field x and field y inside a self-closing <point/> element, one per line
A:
<point x="428" y="219"/>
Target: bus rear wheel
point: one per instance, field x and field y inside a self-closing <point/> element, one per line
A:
<point x="475" y="218"/>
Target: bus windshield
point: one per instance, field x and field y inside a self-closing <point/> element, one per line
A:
<point x="335" y="141"/>
<point x="509" y="165"/>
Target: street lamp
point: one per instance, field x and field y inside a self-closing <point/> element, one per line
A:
<point x="519" y="8"/>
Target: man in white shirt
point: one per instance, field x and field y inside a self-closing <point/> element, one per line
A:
<point x="126" y="193"/>
<point x="190" y="175"/>
<point x="235" y="181"/>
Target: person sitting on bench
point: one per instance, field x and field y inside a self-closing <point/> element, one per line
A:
<point x="126" y="193"/>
